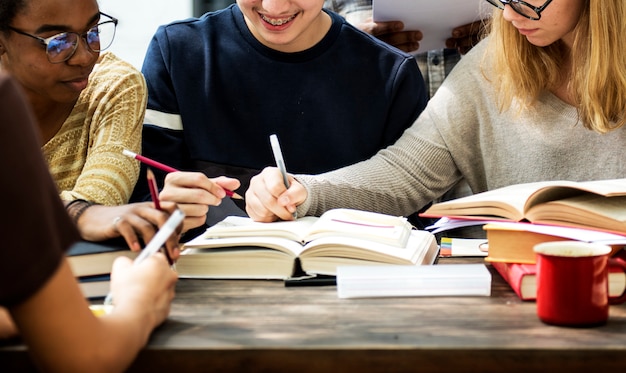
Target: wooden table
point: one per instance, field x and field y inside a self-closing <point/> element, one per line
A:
<point x="261" y="326"/>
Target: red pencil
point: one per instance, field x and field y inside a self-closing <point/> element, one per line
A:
<point x="166" y="168"/>
<point x="154" y="193"/>
<point x="154" y="190"/>
<point x="149" y="161"/>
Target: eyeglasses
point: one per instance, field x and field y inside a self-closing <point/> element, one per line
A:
<point x="522" y="7"/>
<point x="61" y="47"/>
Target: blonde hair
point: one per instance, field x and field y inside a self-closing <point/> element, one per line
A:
<point x="597" y="82"/>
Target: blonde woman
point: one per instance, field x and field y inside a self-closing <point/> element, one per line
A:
<point x="541" y="98"/>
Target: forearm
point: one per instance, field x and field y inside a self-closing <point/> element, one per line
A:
<point x="105" y="344"/>
<point x="63" y="335"/>
<point x="399" y="180"/>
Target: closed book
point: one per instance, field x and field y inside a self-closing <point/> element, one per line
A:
<point x="239" y="248"/>
<point x="95" y="286"/>
<point x="94" y="258"/>
<point x="523" y="281"/>
<point x="514" y="242"/>
<point x="410" y="281"/>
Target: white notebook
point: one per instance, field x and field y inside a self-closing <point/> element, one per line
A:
<point x="411" y="281"/>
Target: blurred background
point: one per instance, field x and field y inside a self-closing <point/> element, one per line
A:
<point x="139" y="19"/>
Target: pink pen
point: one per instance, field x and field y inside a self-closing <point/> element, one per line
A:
<point x="166" y="168"/>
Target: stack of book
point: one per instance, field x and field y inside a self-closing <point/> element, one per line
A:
<point x="518" y="217"/>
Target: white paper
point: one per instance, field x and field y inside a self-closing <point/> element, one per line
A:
<point x="434" y="18"/>
<point x="410" y="281"/>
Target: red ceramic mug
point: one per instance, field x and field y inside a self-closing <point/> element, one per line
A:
<point x="572" y="283"/>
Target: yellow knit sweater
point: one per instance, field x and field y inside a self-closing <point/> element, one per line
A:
<point x="85" y="157"/>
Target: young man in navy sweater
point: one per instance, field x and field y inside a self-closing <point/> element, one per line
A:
<point x="220" y="84"/>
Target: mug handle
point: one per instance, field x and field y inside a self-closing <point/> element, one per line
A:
<point x="615" y="262"/>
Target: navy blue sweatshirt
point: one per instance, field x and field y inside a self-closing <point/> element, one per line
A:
<point x="215" y="94"/>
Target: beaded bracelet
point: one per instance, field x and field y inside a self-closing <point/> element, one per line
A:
<point x="77" y="207"/>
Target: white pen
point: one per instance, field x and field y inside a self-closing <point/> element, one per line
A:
<point x="155" y="243"/>
<point x="280" y="162"/>
<point x="278" y="156"/>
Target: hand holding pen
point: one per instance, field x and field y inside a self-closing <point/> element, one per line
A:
<point x="166" y="168"/>
<point x="157" y="242"/>
<point x="193" y="192"/>
<point x="280" y="163"/>
<point x="134" y="222"/>
<point x="266" y="198"/>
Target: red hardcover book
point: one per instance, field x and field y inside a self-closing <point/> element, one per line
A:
<point x="522" y="279"/>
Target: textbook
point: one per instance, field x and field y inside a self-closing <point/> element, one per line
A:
<point x="240" y="248"/>
<point x="91" y="258"/>
<point x="95" y="286"/>
<point x="523" y="281"/>
<point x="514" y="242"/>
<point x="599" y="204"/>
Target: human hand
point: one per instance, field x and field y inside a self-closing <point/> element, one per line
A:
<point x="268" y="199"/>
<point x="147" y="287"/>
<point x="393" y="33"/>
<point x="194" y="192"/>
<point x="466" y="36"/>
<point x="130" y="221"/>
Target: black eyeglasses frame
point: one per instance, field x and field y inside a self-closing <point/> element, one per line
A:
<point x="46" y="41"/>
<point x="501" y="3"/>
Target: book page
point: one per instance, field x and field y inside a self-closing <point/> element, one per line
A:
<point x="507" y="202"/>
<point x="237" y="226"/>
<point x="565" y="189"/>
<point x="381" y="228"/>
<point x="512" y="202"/>
<point x="418" y="244"/>
<point x="587" y="210"/>
<point x="435" y="19"/>
<point x="292" y="248"/>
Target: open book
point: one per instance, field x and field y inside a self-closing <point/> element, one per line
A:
<point x="599" y="204"/>
<point x="240" y="248"/>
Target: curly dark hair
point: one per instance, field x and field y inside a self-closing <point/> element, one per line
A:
<point x="8" y="10"/>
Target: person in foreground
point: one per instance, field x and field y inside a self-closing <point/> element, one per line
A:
<point x="41" y="298"/>
<point x="221" y="84"/>
<point x="89" y="108"/>
<point x="541" y="98"/>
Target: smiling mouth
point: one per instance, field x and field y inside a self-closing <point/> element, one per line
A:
<point x="278" y="21"/>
